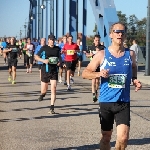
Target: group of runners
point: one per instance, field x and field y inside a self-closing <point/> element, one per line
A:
<point x="114" y="65"/>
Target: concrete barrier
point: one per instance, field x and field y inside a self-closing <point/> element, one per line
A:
<point x="142" y="55"/>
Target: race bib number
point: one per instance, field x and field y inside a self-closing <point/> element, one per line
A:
<point x="117" y="80"/>
<point x="53" y="60"/>
<point x="70" y="52"/>
<point x="14" y="49"/>
<point x="94" y="52"/>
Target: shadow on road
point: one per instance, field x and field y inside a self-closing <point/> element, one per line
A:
<point x="68" y="111"/>
<point x="142" y="141"/>
<point x="96" y="146"/>
<point x="84" y="147"/>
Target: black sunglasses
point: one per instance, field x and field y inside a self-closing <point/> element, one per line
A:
<point x="119" y="31"/>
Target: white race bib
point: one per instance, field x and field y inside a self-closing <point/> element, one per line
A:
<point x="94" y="52"/>
<point x="29" y="53"/>
<point x="117" y="80"/>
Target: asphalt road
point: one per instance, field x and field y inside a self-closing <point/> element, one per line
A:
<point x="26" y="125"/>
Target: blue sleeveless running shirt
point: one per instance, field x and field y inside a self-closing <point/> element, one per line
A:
<point x="117" y="87"/>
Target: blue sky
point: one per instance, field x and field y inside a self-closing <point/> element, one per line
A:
<point x="14" y="14"/>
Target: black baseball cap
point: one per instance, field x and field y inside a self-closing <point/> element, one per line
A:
<point x="51" y="37"/>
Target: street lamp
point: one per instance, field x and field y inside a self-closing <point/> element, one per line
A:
<point x="20" y="33"/>
<point x="147" y="66"/>
<point x="43" y="6"/>
<point x="25" y="26"/>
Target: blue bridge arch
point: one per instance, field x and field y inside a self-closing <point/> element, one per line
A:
<point x="104" y="12"/>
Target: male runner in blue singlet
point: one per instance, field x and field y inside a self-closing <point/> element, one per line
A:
<point x="117" y="69"/>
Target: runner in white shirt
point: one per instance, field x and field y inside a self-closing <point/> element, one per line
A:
<point x="29" y="55"/>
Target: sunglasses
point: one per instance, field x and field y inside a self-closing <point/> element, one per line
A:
<point x="119" y="31"/>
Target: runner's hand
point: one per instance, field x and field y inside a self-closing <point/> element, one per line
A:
<point x="137" y="85"/>
<point x="64" y="66"/>
<point x="104" y="73"/>
<point x="10" y="49"/>
<point x="58" y="64"/>
<point x="45" y="61"/>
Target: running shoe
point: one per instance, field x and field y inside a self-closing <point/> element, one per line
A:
<point x="65" y="83"/>
<point x="13" y="82"/>
<point x="41" y="97"/>
<point x="60" y="81"/>
<point x="71" y="80"/>
<point x="94" y="99"/>
<point x="68" y="88"/>
<point x="51" y="111"/>
<point x="9" y="78"/>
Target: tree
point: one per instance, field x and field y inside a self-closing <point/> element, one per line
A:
<point x="141" y="34"/>
<point x="122" y="18"/>
<point x="89" y="40"/>
<point x="135" y="28"/>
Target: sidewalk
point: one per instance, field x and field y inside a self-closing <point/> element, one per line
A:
<point x="144" y="79"/>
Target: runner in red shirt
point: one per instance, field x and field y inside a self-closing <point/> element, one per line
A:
<point x="70" y="49"/>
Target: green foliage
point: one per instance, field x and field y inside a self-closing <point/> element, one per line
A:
<point x="135" y="28"/>
<point x="89" y="40"/>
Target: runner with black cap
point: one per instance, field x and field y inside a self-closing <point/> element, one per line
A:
<point x="93" y="50"/>
<point x="51" y="58"/>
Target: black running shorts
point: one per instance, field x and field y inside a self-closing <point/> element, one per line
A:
<point x="108" y="112"/>
<point x="62" y="65"/>
<point x="47" y="76"/>
<point x="71" y="65"/>
<point x="29" y="60"/>
<point x="12" y="62"/>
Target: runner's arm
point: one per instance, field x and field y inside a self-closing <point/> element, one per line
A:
<point x="36" y="51"/>
<point x="7" y="49"/>
<point x="134" y="65"/>
<point x="33" y="47"/>
<point x="60" y="58"/>
<point x="89" y="71"/>
<point x="77" y="49"/>
<point x="38" y="56"/>
<point x="63" y="50"/>
<point x="89" y="54"/>
<point x="135" y="81"/>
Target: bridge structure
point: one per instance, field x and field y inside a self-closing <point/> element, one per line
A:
<point x="39" y="22"/>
